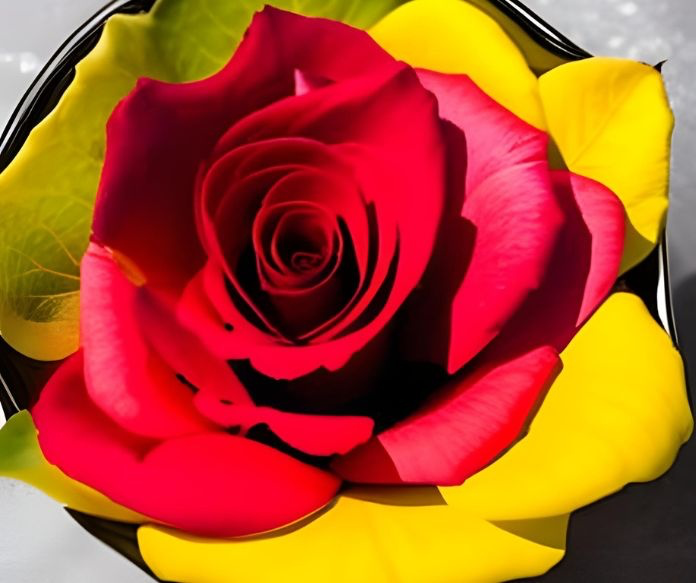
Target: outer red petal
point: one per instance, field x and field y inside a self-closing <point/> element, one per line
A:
<point x="500" y="228"/>
<point x="128" y="381"/>
<point x="517" y="222"/>
<point x="496" y="138"/>
<point x="464" y="428"/>
<point x="582" y="270"/>
<point x="212" y="484"/>
<point x="138" y="361"/>
<point x="603" y="215"/>
<point x="580" y="273"/>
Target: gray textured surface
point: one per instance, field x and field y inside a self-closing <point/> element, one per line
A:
<point x="651" y="31"/>
<point x="38" y="542"/>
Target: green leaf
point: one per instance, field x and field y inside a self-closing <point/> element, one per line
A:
<point x="47" y="193"/>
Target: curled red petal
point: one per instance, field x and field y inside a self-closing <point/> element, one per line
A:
<point x="183" y="352"/>
<point x="516" y="221"/>
<point x="603" y="214"/>
<point x="222" y="399"/>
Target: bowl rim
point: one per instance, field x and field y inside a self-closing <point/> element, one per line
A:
<point x="43" y="94"/>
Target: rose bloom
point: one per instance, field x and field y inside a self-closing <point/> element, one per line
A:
<point x="277" y="249"/>
<point x="320" y="266"/>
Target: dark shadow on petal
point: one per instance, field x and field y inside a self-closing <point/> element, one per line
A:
<point x="550" y="532"/>
<point x="397" y="495"/>
<point x="549" y="314"/>
<point x="280" y="532"/>
<point x="428" y="321"/>
<point x="263" y="434"/>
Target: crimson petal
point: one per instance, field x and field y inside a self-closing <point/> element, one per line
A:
<point x="496" y="138"/>
<point x="581" y="272"/>
<point x="130" y="383"/>
<point x="508" y="216"/>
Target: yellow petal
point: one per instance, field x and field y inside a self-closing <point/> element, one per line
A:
<point x="617" y="413"/>
<point x="21" y="458"/>
<point x="612" y="122"/>
<point x="361" y="540"/>
<point x="452" y="36"/>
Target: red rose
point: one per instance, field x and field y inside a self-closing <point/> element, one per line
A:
<point x="318" y="264"/>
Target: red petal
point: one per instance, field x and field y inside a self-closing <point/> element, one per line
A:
<point x="496" y="138"/>
<point x="582" y="270"/>
<point x="503" y="220"/>
<point x="464" y="428"/>
<point x="184" y="352"/>
<point x="517" y="221"/>
<point x="604" y="217"/>
<point x="129" y="382"/>
<point x="211" y="484"/>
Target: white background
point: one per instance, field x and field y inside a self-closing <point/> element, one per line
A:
<point x="39" y="543"/>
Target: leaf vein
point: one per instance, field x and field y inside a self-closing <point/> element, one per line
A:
<point x="43" y="268"/>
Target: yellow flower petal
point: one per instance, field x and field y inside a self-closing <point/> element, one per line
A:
<point x="361" y="540"/>
<point x="612" y="122"/>
<point x="617" y="413"/>
<point x="452" y="36"/>
<point x="21" y="458"/>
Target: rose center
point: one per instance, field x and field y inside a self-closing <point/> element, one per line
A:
<point x="303" y="261"/>
<point x="302" y="242"/>
<point x="297" y="245"/>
